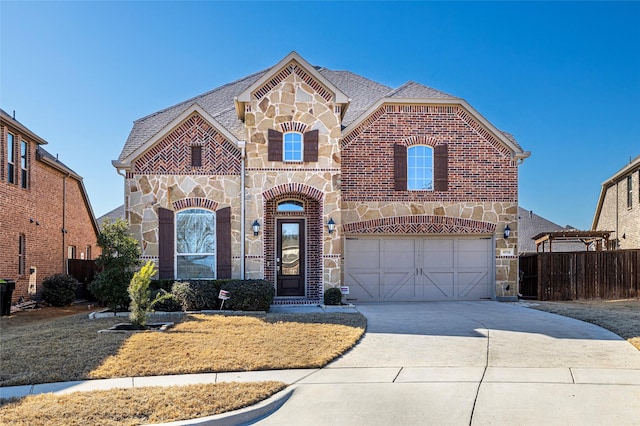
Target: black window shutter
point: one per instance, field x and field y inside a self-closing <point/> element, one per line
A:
<point x="196" y="156"/>
<point x="441" y="167"/>
<point x="311" y="146"/>
<point x="275" y="145"/>
<point x="400" y="167"/>
<point x="223" y="241"/>
<point x="165" y="243"/>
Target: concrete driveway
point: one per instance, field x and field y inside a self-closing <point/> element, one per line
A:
<point x="471" y="363"/>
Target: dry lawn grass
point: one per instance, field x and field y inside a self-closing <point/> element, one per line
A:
<point x="70" y="348"/>
<point x="135" y="406"/>
<point x="215" y="343"/>
<point x="619" y="316"/>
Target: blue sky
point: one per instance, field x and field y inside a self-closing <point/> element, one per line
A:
<point x="562" y="77"/>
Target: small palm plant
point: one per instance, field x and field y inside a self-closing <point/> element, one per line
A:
<point x="141" y="303"/>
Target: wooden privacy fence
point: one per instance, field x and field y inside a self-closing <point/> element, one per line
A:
<point x="613" y="274"/>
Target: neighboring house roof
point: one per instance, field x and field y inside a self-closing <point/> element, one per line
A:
<point x="44" y="156"/>
<point x="23" y="129"/>
<point x="632" y="167"/>
<point x="358" y="94"/>
<point x="113" y="215"/>
<point x="530" y="225"/>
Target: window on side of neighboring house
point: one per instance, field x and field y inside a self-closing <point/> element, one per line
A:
<point x="22" y="254"/>
<point x="420" y="168"/>
<point x="196" y="156"/>
<point x="629" y="192"/>
<point x="87" y="253"/>
<point x="71" y="252"/>
<point x="24" y="164"/>
<point x="11" y="159"/>
<point x="292" y="148"/>
<point x="195" y="244"/>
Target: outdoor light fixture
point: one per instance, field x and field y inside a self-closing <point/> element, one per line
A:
<point x="507" y="232"/>
<point x="256" y="227"/>
<point x="331" y="225"/>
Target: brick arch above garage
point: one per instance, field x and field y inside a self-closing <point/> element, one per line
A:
<point x="423" y="224"/>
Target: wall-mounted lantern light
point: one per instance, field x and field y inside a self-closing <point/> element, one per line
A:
<point x="256" y="227"/>
<point x="507" y="232"/>
<point x="331" y="225"/>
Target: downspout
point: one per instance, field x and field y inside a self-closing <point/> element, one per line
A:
<point x="122" y="173"/>
<point x="242" y="145"/>
<point x="65" y="264"/>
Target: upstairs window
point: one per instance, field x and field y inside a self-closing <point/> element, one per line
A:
<point x="24" y="164"/>
<point x="71" y="252"/>
<point x="420" y="168"/>
<point x="292" y="148"/>
<point x="196" y="156"/>
<point x="11" y="159"/>
<point x="629" y="191"/>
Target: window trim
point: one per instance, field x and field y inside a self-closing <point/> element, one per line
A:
<point x="630" y="191"/>
<point x="11" y="158"/>
<point x="24" y="164"/>
<point x="214" y="254"/>
<point x="300" y="151"/>
<point x="409" y="167"/>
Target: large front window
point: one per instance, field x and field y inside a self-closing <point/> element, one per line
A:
<point x="420" y="168"/>
<point x="292" y="147"/>
<point x="195" y="244"/>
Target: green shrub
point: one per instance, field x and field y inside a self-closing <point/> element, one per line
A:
<point x="333" y="296"/>
<point x="249" y="295"/>
<point x="163" y="284"/>
<point x="169" y="302"/>
<point x="197" y="295"/>
<point x="119" y="256"/>
<point x="59" y="289"/>
<point x="141" y="302"/>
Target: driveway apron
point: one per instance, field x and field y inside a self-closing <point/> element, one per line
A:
<point x="471" y="363"/>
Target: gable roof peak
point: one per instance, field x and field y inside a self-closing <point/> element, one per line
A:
<point x="245" y="95"/>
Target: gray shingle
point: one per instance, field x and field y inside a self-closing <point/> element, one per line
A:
<point x="413" y="90"/>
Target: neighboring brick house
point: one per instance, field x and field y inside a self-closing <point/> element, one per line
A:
<point x="618" y="208"/>
<point x="419" y="185"/>
<point x="45" y="214"/>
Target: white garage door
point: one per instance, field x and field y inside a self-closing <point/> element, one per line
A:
<point x="418" y="269"/>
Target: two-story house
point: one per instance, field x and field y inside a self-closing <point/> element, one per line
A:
<point x="618" y="208"/>
<point x="45" y="213"/>
<point x="314" y="178"/>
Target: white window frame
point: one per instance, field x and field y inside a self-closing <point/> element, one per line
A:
<point x="285" y="151"/>
<point x="411" y="179"/>
<point x="215" y="246"/>
<point x="11" y="158"/>
<point x="24" y="164"/>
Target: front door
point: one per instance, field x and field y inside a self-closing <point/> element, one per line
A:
<point x="290" y="257"/>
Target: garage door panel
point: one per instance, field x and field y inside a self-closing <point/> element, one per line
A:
<point x="364" y="285"/>
<point x="473" y="285"/>
<point x="398" y="254"/>
<point x="400" y="286"/>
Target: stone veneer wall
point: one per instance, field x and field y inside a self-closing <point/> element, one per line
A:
<point x="293" y="100"/>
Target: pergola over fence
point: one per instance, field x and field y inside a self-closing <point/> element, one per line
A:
<point x="600" y="238"/>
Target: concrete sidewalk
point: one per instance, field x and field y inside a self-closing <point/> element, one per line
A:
<point x="442" y="363"/>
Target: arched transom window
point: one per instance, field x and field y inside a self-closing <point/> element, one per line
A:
<point x="290" y="206"/>
<point x="420" y="168"/>
<point x="195" y="244"/>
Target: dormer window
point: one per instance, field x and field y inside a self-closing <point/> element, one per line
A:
<point x="292" y="148"/>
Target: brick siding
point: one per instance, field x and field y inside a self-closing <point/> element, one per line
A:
<point x="37" y="213"/>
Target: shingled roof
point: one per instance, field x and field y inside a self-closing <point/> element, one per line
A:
<point x="219" y="103"/>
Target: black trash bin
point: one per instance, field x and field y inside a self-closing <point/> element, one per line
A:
<point x="6" y="291"/>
